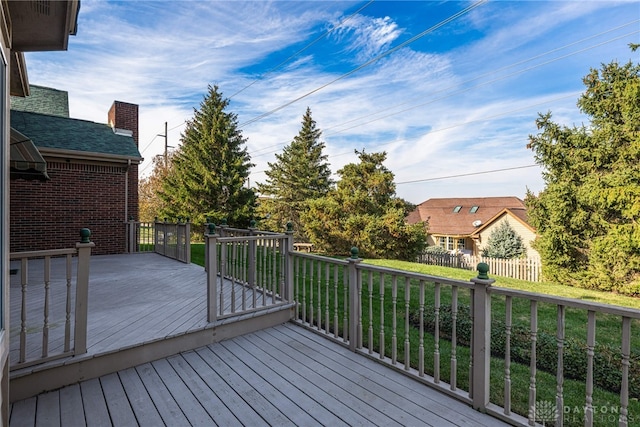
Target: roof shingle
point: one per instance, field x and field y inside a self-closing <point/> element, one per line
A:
<point x="442" y="219"/>
<point x="47" y="131"/>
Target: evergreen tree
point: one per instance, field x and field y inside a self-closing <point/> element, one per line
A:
<point x="300" y="174"/>
<point x="210" y="168"/>
<point x="504" y="243"/>
<point x="588" y="215"/>
<point x="363" y="211"/>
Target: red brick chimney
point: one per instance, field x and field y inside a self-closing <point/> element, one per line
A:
<point x="123" y="115"/>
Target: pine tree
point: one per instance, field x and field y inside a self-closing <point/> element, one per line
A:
<point x="300" y="174"/>
<point x="363" y="211"/>
<point x="504" y="243"/>
<point x="588" y="215"/>
<point x="210" y="168"/>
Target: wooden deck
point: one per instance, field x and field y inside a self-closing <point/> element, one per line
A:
<point x="284" y="375"/>
<point x="141" y="306"/>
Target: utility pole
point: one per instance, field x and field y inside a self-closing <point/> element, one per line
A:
<point x="166" y="146"/>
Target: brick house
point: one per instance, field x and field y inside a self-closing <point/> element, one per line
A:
<point x="463" y="225"/>
<point x="87" y="175"/>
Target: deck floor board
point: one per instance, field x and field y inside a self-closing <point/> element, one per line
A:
<point x="284" y="375"/>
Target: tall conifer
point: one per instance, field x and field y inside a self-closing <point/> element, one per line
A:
<point x="300" y="174"/>
<point x="210" y="169"/>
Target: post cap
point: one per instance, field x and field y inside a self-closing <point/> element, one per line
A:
<point x="85" y="233"/>
<point x="212" y="228"/>
<point x="483" y="269"/>
<point x="289" y="227"/>
<point x="354" y="253"/>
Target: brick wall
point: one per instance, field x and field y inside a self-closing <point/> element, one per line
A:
<point x="123" y="115"/>
<point x="49" y="215"/>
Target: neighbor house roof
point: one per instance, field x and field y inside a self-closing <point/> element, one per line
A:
<point x="82" y="136"/>
<point x="462" y="216"/>
<point x="44" y="100"/>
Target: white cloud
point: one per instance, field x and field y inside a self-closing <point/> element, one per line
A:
<point x="416" y="104"/>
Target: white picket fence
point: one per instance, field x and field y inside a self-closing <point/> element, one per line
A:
<point x="519" y="268"/>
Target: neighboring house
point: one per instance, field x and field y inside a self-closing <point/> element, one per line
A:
<point x="87" y="175"/>
<point x="25" y="26"/>
<point x="463" y="225"/>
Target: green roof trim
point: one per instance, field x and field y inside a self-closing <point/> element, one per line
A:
<point x="56" y="132"/>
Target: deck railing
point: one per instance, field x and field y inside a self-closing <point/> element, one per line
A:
<point x="440" y="331"/>
<point x="254" y="266"/>
<point x="56" y="300"/>
<point x="171" y="239"/>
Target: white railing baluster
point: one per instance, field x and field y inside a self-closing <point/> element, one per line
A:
<point x="591" y="343"/>
<point x="407" y="344"/>
<point x="560" y="324"/>
<point x="507" y="354"/>
<point x="623" y="419"/>
<point x="421" y="342"/>
<point x="371" y="312"/>
<point x="436" y="338"/>
<point x="67" y="317"/>
<point x="345" y="307"/>
<point x="381" y="350"/>
<point x="453" y="381"/>
<point x="394" y="319"/>
<point x="311" y="285"/>
<point x="533" y="362"/>
<point x="327" y="282"/>
<point x="319" y="293"/>
<point x="24" y="266"/>
<point x="45" y="326"/>
<point x="304" y="289"/>
<point x="336" y="323"/>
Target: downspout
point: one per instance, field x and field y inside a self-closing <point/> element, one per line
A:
<point x="126" y="191"/>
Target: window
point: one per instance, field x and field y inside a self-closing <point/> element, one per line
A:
<point x="442" y="242"/>
<point x="450" y="244"/>
<point x="461" y="244"/>
<point x="457" y="209"/>
<point x="473" y="209"/>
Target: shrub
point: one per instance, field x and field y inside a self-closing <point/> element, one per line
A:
<point x="607" y="359"/>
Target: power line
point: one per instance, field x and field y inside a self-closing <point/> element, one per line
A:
<point x="326" y="33"/>
<point x="371" y="61"/>
<point x="466" y="174"/>
<point x="465" y="82"/>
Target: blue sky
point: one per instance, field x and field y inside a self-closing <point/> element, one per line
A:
<point x="459" y="100"/>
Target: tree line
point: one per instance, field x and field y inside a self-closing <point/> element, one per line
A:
<point x="587" y="217"/>
<point x="206" y="178"/>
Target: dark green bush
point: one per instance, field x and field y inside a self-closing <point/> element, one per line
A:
<point x="607" y="359"/>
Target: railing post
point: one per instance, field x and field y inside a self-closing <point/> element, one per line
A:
<point x="131" y="241"/>
<point x="288" y="278"/>
<point x="211" y="248"/>
<point x="481" y="340"/>
<point x="187" y="231"/>
<point x="354" y="299"/>
<point x="82" y="291"/>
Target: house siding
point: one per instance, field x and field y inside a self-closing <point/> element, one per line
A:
<point x="522" y="230"/>
<point x="49" y="215"/>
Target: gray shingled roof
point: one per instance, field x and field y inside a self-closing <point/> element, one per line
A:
<point x="44" y="100"/>
<point x="48" y="131"/>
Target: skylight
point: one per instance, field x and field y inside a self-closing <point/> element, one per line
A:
<point x="473" y="209"/>
<point x="457" y="209"/>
